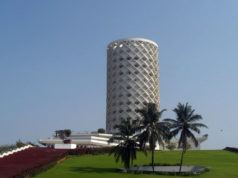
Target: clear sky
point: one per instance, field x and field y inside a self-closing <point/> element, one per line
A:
<point x="53" y="62"/>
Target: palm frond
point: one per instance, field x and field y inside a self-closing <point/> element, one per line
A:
<point x="190" y="135"/>
<point x="194" y="118"/>
<point x="195" y="129"/>
<point x="175" y="132"/>
<point x="171" y="121"/>
<point x="199" y="125"/>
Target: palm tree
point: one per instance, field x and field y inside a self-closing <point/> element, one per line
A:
<point x="126" y="149"/>
<point x="151" y="129"/>
<point x="185" y="123"/>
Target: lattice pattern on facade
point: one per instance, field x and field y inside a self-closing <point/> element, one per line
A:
<point x="132" y="79"/>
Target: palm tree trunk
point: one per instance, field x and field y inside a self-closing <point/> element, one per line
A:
<point x="128" y="163"/>
<point x="181" y="161"/>
<point x="153" y="160"/>
<point x="127" y="166"/>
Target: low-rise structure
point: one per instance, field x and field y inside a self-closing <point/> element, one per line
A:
<point x="81" y="140"/>
<point x="101" y="140"/>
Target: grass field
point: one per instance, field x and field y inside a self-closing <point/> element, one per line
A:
<point x="223" y="164"/>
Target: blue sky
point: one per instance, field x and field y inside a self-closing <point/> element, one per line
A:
<point x="53" y="62"/>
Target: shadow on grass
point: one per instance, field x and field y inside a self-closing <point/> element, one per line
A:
<point x="93" y="170"/>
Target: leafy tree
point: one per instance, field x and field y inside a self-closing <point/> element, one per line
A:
<point x="19" y="144"/>
<point x="185" y="123"/>
<point x="101" y="130"/>
<point x="171" y="146"/>
<point x="67" y="132"/>
<point x="6" y="148"/>
<point x="152" y="131"/>
<point x="126" y="149"/>
<point x="63" y="133"/>
<point x="32" y="144"/>
<point x="188" y="146"/>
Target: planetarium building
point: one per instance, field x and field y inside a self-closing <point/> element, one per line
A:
<point x="132" y="79"/>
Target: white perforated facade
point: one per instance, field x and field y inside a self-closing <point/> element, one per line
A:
<point x="132" y="78"/>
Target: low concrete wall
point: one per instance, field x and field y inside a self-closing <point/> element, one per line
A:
<point x="65" y="146"/>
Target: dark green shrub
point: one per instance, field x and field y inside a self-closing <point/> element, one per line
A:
<point x="101" y="130"/>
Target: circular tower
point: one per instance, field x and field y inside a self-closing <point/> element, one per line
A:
<point x="132" y="79"/>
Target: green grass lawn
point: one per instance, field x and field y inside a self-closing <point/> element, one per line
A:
<point x="223" y="164"/>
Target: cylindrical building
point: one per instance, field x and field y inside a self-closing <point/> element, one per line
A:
<point x="132" y="78"/>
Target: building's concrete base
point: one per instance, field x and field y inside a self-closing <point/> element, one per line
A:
<point x="65" y="146"/>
